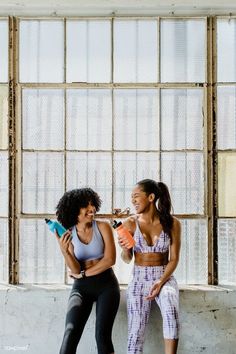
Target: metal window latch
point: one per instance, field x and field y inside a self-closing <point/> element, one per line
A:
<point x="118" y="211"/>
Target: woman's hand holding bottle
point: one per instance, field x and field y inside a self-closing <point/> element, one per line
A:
<point x="124" y="244"/>
<point x="64" y="241"/>
<point x="63" y="236"/>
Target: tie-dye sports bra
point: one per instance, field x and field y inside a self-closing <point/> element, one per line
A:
<point x="161" y="245"/>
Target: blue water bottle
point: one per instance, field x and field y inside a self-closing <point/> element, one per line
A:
<point x="55" y="226"/>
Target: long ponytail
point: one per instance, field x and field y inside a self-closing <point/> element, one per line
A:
<point x="164" y="207"/>
<point x="162" y="197"/>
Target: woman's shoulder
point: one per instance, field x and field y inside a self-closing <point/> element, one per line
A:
<point x="176" y="227"/>
<point x="176" y="222"/>
<point x="102" y="224"/>
<point x="104" y="227"/>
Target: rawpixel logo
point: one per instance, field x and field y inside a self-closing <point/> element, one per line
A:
<point x="16" y="347"/>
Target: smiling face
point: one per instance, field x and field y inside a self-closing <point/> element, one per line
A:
<point x="87" y="214"/>
<point x="140" y="200"/>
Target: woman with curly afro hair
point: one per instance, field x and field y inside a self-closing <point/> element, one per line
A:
<point x="89" y="251"/>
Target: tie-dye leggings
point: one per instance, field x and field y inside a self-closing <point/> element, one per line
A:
<point x="139" y="308"/>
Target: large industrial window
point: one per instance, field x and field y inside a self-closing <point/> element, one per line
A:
<point x="104" y="103"/>
<point x="4" y="245"/>
<point x="226" y="145"/>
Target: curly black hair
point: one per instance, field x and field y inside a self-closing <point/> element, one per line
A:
<point x="68" y="207"/>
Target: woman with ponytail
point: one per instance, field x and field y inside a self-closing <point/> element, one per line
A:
<point x="156" y="255"/>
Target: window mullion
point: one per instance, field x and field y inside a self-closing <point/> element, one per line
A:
<point x="210" y="128"/>
<point x="12" y="104"/>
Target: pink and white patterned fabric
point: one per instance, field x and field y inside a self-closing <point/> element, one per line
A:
<point x="139" y="308"/>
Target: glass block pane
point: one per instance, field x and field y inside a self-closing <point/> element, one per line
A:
<point x="89" y="119"/>
<point x="129" y="168"/>
<point x="88" y="51"/>
<point x="41" y="51"/>
<point x="181" y="119"/>
<point x="226" y="184"/>
<point x="227" y="251"/>
<point x="94" y="170"/>
<point x="43" y="119"/>
<point x="40" y="260"/>
<point x="3" y="251"/>
<point x="4" y="51"/>
<point x="43" y="181"/>
<point x="226" y="50"/>
<point x="135" y="51"/>
<point x="183" y="50"/>
<point x="3" y="183"/>
<point x="184" y="175"/>
<point x="193" y="263"/>
<point x="3" y="117"/>
<point x="136" y="124"/>
<point x="226" y="117"/>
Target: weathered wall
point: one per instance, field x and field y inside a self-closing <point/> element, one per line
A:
<point x="32" y="322"/>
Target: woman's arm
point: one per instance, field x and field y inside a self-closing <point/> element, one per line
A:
<point x="174" y="251"/>
<point x="173" y="261"/>
<point x="67" y="250"/>
<point x="109" y="257"/>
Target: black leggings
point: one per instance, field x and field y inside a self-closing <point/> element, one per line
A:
<point x="102" y="289"/>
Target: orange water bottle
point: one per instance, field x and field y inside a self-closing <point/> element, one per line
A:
<point x="124" y="233"/>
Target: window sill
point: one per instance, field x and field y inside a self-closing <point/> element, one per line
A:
<point x="51" y="287"/>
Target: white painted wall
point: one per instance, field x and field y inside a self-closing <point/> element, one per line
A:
<point x="32" y="322"/>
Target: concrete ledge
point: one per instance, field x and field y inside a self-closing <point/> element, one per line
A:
<point x="182" y="287"/>
<point x="32" y="321"/>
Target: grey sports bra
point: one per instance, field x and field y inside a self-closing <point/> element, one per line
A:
<point x="93" y="250"/>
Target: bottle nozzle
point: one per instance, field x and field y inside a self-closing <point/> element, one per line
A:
<point x="116" y="224"/>
<point x="47" y="221"/>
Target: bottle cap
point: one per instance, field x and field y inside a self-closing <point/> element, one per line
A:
<point x="47" y="220"/>
<point x="116" y="224"/>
